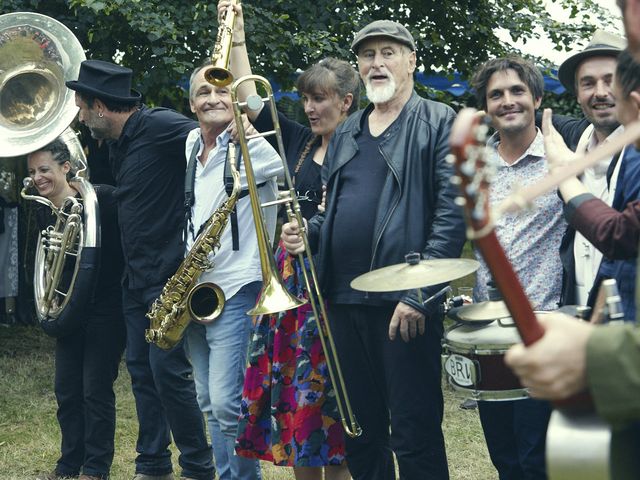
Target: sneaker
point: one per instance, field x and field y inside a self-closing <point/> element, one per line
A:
<point x="469" y="404"/>
<point x="144" y="476"/>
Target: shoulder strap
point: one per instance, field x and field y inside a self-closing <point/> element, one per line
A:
<point x="612" y="168"/>
<point x="228" y="186"/>
<point x="189" y="196"/>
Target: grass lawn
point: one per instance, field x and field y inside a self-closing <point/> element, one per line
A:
<point x="29" y="435"/>
<point x="30" y="439"/>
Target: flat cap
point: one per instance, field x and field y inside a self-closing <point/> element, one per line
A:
<point x="383" y="28"/>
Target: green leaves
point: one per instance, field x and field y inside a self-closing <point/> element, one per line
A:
<point x="169" y="38"/>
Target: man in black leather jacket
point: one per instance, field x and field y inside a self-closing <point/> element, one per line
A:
<point x="388" y="193"/>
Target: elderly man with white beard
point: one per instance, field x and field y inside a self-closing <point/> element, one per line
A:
<point x="388" y="194"/>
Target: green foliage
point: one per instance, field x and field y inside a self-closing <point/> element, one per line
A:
<point x="564" y="104"/>
<point x="163" y="40"/>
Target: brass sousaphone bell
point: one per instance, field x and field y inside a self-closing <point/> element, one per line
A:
<point x="38" y="55"/>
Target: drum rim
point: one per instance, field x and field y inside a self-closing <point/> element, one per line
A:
<point x="481" y="349"/>
<point x="491" y="395"/>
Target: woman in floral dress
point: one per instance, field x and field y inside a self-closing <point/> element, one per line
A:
<point x="289" y="412"/>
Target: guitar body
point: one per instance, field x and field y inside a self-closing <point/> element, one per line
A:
<point x="582" y="446"/>
<point x="579" y="444"/>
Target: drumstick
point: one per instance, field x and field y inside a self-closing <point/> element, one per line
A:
<point x="522" y="198"/>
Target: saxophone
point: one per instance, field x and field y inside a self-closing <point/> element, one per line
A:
<point x="183" y="298"/>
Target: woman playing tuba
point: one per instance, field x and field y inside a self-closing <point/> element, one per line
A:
<point x="88" y="352"/>
<point x="39" y="55"/>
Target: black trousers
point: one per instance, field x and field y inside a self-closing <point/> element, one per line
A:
<point x="86" y="368"/>
<point x="395" y="392"/>
<point x="515" y="432"/>
<point x="165" y="394"/>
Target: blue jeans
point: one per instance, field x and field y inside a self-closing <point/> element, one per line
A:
<point x="165" y="397"/>
<point x="218" y="353"/>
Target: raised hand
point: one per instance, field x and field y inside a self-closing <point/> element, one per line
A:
<point x="557" y="152"/>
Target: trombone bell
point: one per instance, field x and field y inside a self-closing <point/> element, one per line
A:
<point x="218" y="77"/>
<point x="274" y="297"/>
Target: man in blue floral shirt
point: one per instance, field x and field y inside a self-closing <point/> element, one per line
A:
<point x="510" y="90"/>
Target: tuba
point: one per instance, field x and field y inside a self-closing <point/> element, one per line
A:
<point x="37" y="55"/>
<point x="274" y="296"/>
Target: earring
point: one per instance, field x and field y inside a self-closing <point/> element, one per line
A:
<point x="100" y="114"/>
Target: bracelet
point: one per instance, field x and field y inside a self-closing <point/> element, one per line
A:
<point x="237" y="44"/>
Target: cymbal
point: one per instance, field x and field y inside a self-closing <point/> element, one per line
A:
<point x="405" y="276"/>
<point x="482" y="311"/>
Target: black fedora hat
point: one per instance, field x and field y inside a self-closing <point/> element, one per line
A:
<point x="105" y="80"/>
<point x="602" y="44"/>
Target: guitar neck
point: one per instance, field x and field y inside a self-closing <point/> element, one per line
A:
<point x="518" y="304"/>
<point x="467" y="141"/>
<point x="513" y="295"/>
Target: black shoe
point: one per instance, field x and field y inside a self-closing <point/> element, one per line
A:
<point x="54" y="476"/>
<point x="469" y="404"/>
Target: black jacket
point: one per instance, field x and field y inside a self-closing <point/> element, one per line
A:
<point x="148" y="163"/>
<point x="416" y="209"/>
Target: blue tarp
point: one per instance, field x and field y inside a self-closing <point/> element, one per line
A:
<point x="454" y="84"/>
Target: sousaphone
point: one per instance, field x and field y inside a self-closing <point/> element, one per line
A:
<point x="38" y="55"/>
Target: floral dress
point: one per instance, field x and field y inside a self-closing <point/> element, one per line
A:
<point x="288" y="410"/>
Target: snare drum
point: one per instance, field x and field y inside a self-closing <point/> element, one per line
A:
<point x="473" y="359"/>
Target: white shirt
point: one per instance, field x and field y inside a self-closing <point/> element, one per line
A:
<point x="233" y="269"/>
<point x="587" y="257"/>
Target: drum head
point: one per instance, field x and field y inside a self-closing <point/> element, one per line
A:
<point x="494" y="334"/>
<point x="455" y="315"/>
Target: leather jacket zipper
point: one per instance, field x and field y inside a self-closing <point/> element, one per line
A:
<point x="391" y="210"/>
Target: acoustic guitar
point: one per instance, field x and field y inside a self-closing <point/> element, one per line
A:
<point x="579" y="443"/>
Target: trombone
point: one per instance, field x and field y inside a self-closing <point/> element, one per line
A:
<point x="288" y="197"/>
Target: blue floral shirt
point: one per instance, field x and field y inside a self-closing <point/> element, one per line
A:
<point x="531" y="238"/>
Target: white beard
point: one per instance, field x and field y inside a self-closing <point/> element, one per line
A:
<point x="381" y="94"/>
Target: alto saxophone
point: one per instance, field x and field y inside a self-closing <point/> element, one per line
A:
<point x="183" y="298"/>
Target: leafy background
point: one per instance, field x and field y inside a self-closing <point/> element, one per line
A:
<point x="163" y="40"/>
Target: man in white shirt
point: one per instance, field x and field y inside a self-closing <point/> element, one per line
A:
<point x="589" y="74"/>
<point x="218" y="350"/>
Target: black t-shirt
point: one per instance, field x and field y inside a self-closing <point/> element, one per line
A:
<point x="308" y="184"/>
<point x="295" y="138"/>
<point x="359" y="186"/>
